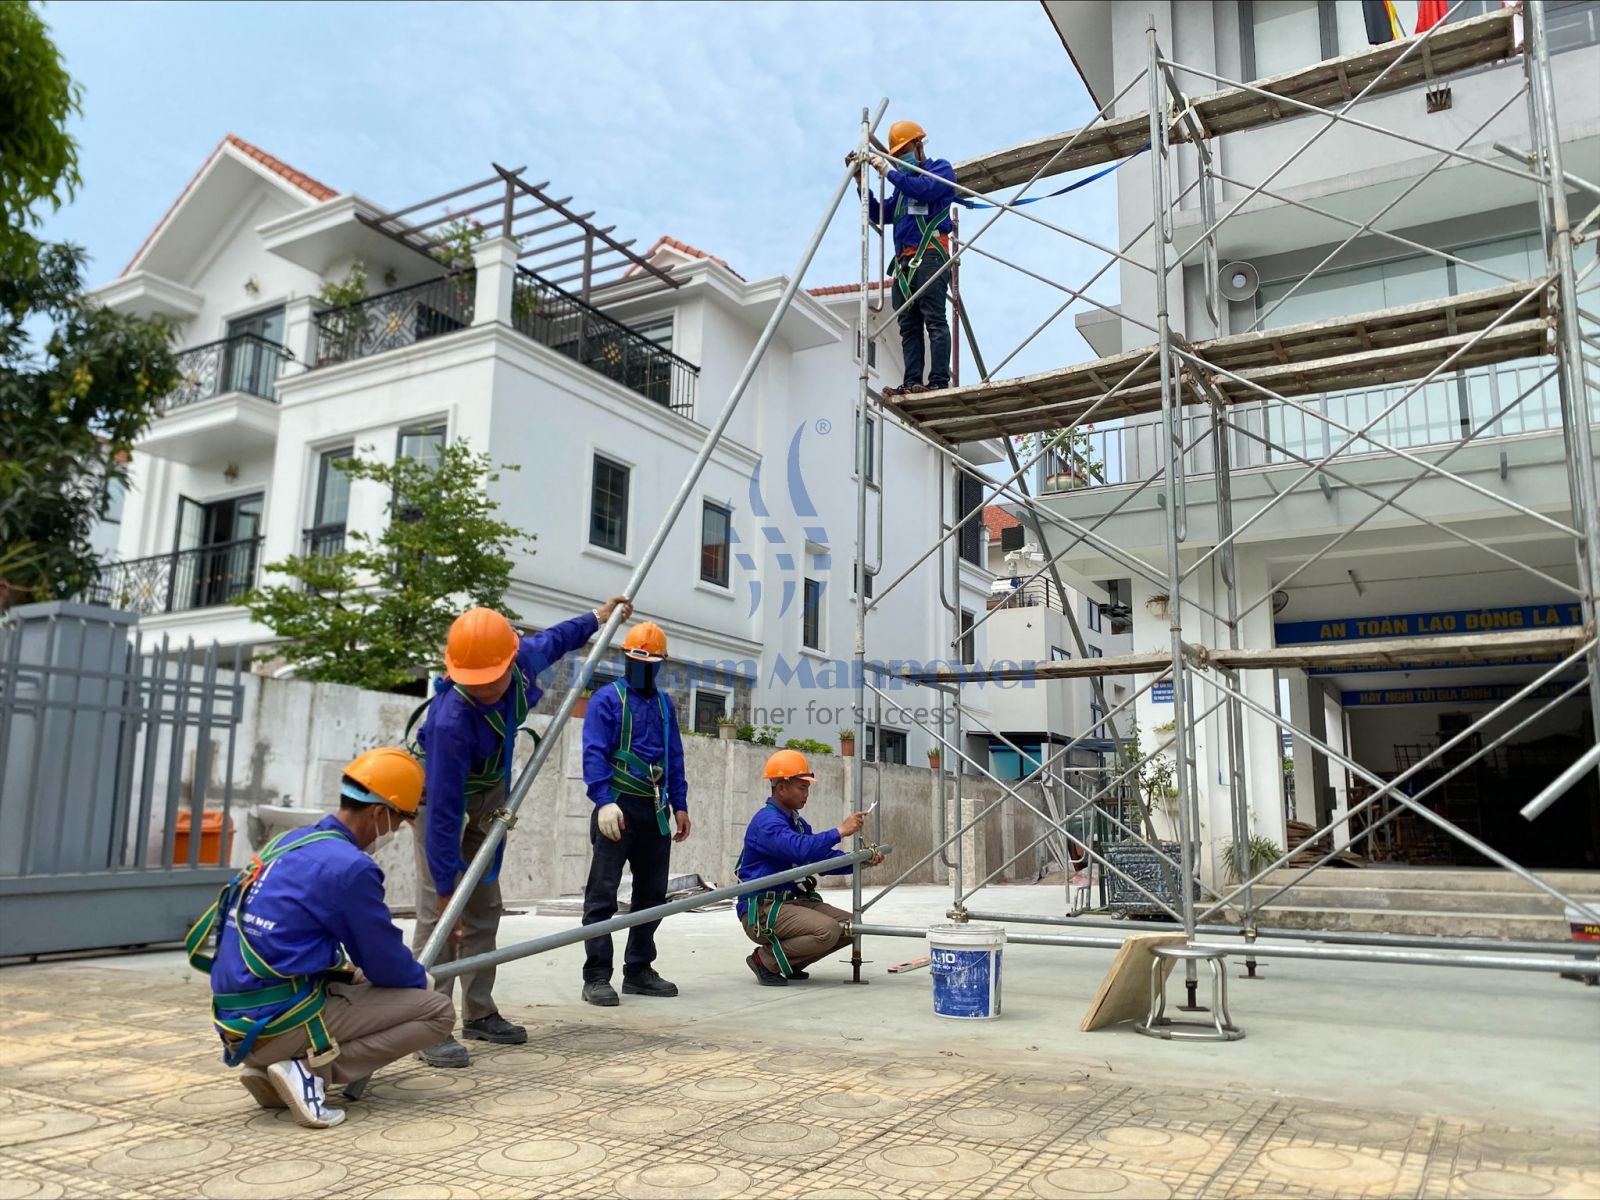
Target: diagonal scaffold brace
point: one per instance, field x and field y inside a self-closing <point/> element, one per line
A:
<point x="506" y="817"/>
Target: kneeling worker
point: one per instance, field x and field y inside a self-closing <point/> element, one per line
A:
<point x="633" y="766"/>
<point x="791" y="926"/>
<point x="308" y="907"/>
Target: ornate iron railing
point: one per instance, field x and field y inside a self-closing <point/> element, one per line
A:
<point x="242" y="363"/>
<point x="204" y="577"/>
<point x="394" y="319"/>
<point x="556" y="318"/>
<point x="323" y="540"/>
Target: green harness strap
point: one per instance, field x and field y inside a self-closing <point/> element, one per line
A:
<point x="631" y="775"/>
<point x="297" y="1001"/>
<point x="497" y="767"/>
<point x="765" y="928"/>
<point x="907" y="266"/>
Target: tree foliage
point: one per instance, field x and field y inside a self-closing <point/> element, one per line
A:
<point x="70" y="409"/>
<point x="376" y="613"/>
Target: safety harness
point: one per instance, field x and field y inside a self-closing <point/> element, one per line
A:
<point x="764" y="929"/>
<point x="910" y="261"/>
<point x="495" y="769"/>
<point x="292" y="1001"/>
<point x="631" y="775"/>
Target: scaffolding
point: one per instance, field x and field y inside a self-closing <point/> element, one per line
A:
<point x="1220" y="391"/>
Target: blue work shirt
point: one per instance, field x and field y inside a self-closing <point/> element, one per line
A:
<point x="778" y="840"/>
<point x="304" y="907"/>
<point x="456" y="738"/>
<point x="914" y="191"/>
<point x="602" y="737"/>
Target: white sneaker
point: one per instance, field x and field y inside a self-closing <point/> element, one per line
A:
<point x="304" y="1095"/>
<point x="260" y="1087"/>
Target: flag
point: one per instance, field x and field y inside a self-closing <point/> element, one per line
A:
<point x="1430" y="13"/>
<point x="1382" y="24"/>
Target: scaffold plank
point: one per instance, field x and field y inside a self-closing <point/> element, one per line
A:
<point x="1364" y="350"/>
<point x="1469" y="649"/>
<point x="1330" y="84"/>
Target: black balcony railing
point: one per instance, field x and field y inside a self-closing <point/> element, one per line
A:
<point x="204" y="577"/>
<point x="323" y="540"/>
<point x="558" y="319"/>
<point x="394" y="319"/>
<point x="242" y="363"/>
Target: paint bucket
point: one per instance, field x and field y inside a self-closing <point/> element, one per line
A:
<point x="964" y="961"/>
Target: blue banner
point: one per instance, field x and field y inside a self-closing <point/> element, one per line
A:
<point x="1482" y="693"/>
<point x="1428" y="624"/>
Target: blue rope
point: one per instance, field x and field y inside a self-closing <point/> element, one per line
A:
<point x="1071" y="187"/>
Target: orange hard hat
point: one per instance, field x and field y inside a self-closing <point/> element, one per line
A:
<point x="902" y="134"/>
<point x="391" y="776"/>
<point x="788" y="764"/>
<point x="646" y="642"/>
<point x="480" y="647"/>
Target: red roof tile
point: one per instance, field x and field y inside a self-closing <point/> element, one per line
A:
<point x="845" y="289"/>
<point x="996" y="519"/>
<point x="316" y="189"/>
<point x="684" y="248"/>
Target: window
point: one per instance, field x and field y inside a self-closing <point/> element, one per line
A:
<point x="116" y="496"/>
<point x="885" y="745"/>
<point x="872" y="352"/>
<point x="969" y="639"/>
<point x="254" y="353"/>
<point x="715" y="521"/>
<point x="708" y="706"/>
<point x="872" y="450"/>
<point x="1057" y="654"/>
<point x="1096" y="716"/>
<point x="870" y="576"/>
<point x="608" y="505"/>
<point x="332" y="504"/>
<point x="811" y="617"/>
<point x="1095" y="619"/>
<point x="1286" y="35"/>
<point x="969" y="498"/>
<point x="1096" y="652"/>
<point x="657" y="330"/>
<point x="425" y="443"/>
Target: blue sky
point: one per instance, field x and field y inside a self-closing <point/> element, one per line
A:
<point x="721" y="124"/>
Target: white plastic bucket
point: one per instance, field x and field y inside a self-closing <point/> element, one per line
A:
<point x="964" y="961"/>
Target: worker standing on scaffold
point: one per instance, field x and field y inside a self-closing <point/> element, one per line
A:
<point x="919" y="208"/>
<point x="468" y="739"/>
<point x="633" y="768"/>
<point x="791" y="926"/>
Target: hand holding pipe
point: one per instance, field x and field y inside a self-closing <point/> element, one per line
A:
<point x="554" y="941"/>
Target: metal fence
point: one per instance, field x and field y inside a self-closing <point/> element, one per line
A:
<point x="204" y="577"/>
<point x="110" y="751"/>
<point x="324" y="541"/>
<point x="558" y="319"/>
<point x="242" y="363"/>
<point x="394" y="319"/>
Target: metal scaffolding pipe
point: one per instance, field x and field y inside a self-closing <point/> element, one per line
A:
<point x="1084" y="941"/>
<point x="555" y="941"/>
<point x="1412" y="958"/>
<point x="1562" y="784"/>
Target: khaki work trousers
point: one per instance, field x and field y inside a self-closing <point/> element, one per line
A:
<point x="374" y="1027"/>
<point x="481" y="919"/>
<point x="808" y="929"/>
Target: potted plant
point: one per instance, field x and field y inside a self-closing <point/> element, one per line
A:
<point x="847" y="743"/>
<point x="933" y="758"/>
<point x="727" y="728"/>
<point x="343" y="323"/>
<point x="1158" y="605"/>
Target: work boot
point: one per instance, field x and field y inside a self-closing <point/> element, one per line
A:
<point x="448" y="1053"/>
<point x="494" y="1028"/>
<point x="357" y="1088"/>
<point x="647" y="983"/>
<point x="259" y="1085"/>
<point x="600" y="993"/>
<point x="799" y="975"/>
<point x="765" y="977"/>
<point x="304" y="1095"/>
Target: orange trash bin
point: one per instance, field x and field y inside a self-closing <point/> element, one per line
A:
<point x="212" y="850"/>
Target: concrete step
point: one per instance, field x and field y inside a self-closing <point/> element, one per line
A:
<point x="1466" y="879"/>
<point x="1516" y="926"/>
<point x="1528" y="903"/>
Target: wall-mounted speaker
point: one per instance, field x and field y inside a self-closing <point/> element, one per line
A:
<point x="1238" y="281"/>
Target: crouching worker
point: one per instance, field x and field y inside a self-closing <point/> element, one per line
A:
<point x="291" y="926"/>
<point x="791" y="926"/>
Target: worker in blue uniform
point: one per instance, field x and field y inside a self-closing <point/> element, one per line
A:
<point x="790" y="924"/>
<point x="310" y="978"/>
<point x="468" y="738"/>
<point x="633" y="768"/>
<point x="919" y="210"/>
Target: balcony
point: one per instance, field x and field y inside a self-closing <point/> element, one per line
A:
<point x="204" y="577"/>
<point x="226" y="402"/>
<point x="391" y="320"/>
<point x="556" y="318"/>
<point x="322" y="541"/>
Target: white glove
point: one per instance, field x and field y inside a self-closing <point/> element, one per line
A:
<point x="610" y="817"/>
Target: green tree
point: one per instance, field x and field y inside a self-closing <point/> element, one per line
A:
<point x="376" y="613"/>
<point x="71" y="408"/>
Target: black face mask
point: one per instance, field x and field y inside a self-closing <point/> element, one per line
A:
<point x="642" y="676"/>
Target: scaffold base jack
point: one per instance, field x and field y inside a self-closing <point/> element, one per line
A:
<point x="1157" y="1024"/>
